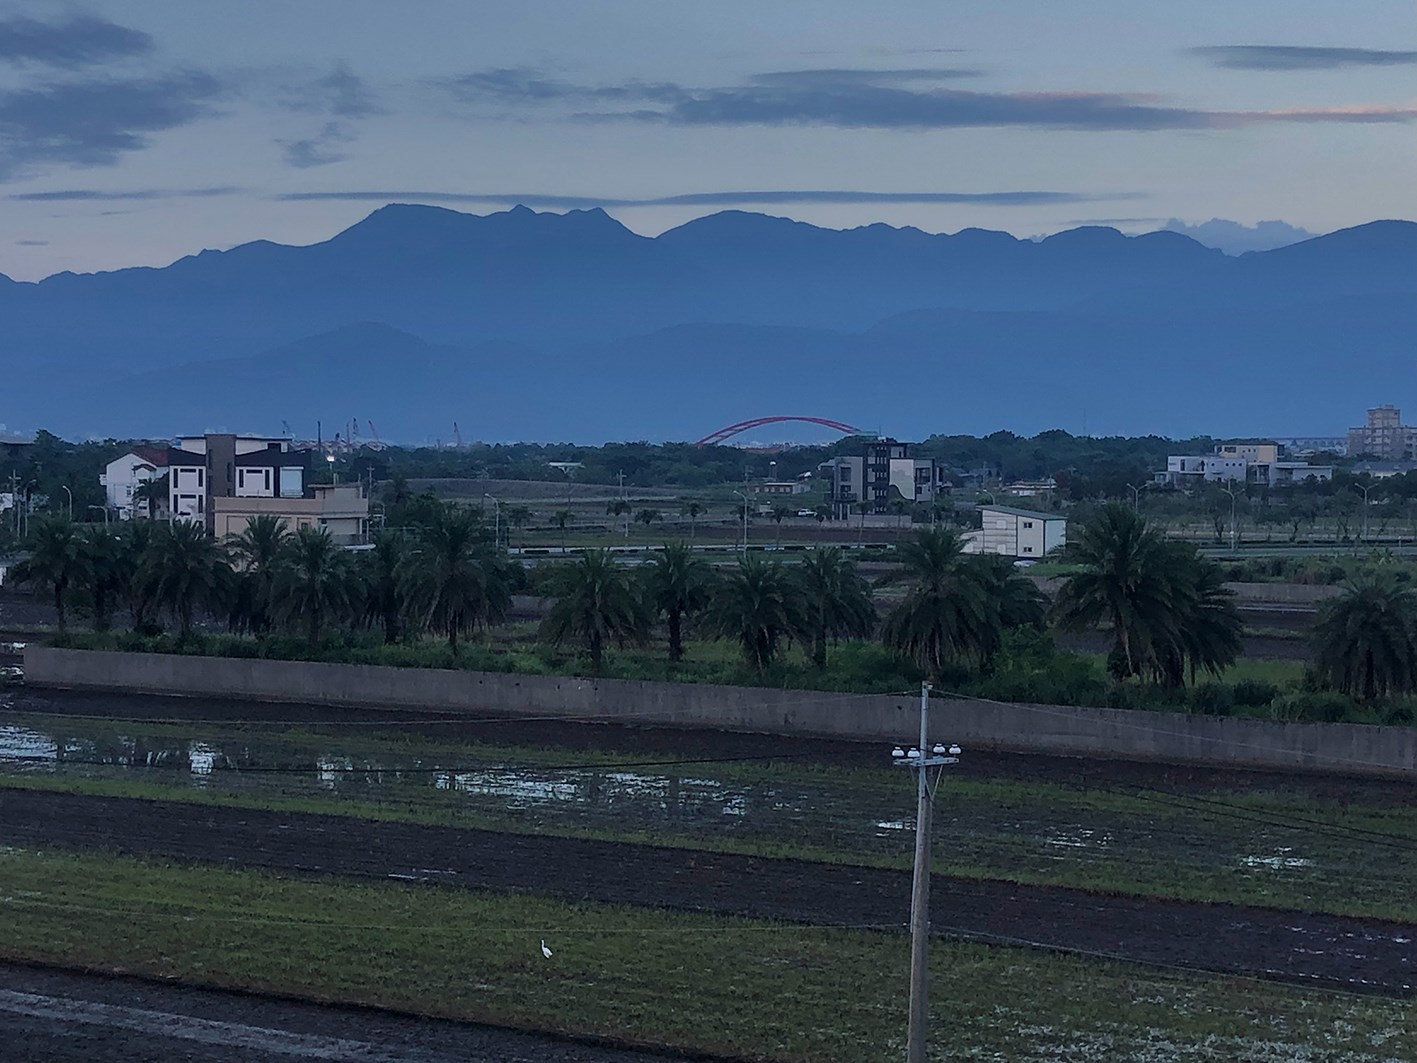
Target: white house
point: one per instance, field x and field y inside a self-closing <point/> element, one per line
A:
<point x="121" y="477"/>
<point x="1023" y="534"/>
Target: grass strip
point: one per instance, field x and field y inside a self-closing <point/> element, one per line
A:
<point x="733" y="986"/>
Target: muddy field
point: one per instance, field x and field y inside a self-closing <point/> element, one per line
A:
<point x="1358" y="954"/>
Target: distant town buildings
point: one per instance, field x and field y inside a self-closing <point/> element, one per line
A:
<point x="1261" y="463"/>
<point x="882" y="473"/>
<point x="1023" y="534"/>
<point x="1383" y="437"/>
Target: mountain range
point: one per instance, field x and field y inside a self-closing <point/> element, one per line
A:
<point x="526" y="325"/>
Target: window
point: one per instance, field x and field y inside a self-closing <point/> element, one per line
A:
<point x="199" y="477"/>
<point x="1028" y="549"/>
<point x="1028" y="524"/>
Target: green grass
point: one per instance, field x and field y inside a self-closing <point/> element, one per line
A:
<point x="745" y="987"/>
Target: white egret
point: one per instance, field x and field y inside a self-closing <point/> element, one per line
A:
<point x="544" y="950"/>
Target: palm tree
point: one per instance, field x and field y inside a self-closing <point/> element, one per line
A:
<point x="899" y="506"/>
<point x="837" y="601"/>
<point x="620" y="508"/>
<point x="383" y="590"/>
<point x="563" y="519"/>
<point x="677" y="585"/>
<point x="1015" y="599"/>
<point x="518" y="517"/>
<point x="862" y="507"/>
<point x="152" y="493"/>
<point x="188" y="571"/>
<point x="1165" y="604"/>
<point x="58" y="560"/>
<point x="137" y="586"/>
<point x="947" y="613"/>
<point x="760" y="607"/>
<point x="596" y="602"/>
<point x="454" y="578"/>
<point x="258" y="551"/>
<point x="647" y="517"/>
<point x="779" y="514"/>
<point x="1367" y="639"/>
<point x="314" y="581"/>
<point x="104" y="571"/>
<point x="693" y="509"/>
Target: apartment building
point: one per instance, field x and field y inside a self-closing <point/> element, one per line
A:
<point x="883" y="472"/>
<point x="1383" y="436"/>
<point x="222" y="465"/>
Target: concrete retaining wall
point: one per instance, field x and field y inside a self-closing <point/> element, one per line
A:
<point x="1352" y="748"/>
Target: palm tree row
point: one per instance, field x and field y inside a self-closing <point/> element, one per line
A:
<point x="955" y="610"/>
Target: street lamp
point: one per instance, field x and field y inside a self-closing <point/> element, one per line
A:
<point x="496" y="519"/>
<point x="1234" y="546"/>
<point x="922" y="762"/>
<point x="744" y="497"/>
<point x="1365" y="488"/>
<point x="66" y="490"/>
<point x="105" y="513"/>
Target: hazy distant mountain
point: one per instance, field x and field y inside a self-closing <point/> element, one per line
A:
<point x="526" y="325"/>
<point x="1235" y="239"/>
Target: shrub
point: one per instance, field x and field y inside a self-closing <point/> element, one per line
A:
<point x="1255" y="693"/>
<point x="1307" y="705"/>
<point x="1213" y="699"/>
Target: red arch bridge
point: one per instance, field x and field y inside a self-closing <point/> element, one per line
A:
<point x="729" y="431"/>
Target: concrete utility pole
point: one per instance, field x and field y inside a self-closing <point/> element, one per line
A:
<point x="496" y="520"/>
<point x="1365" y="488"/>
<point x="1234" y="543"/>
<point x="921" y="761"/>
<point x="744" y="497"/>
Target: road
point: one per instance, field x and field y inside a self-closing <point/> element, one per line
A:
<point x="61" y="1017"/>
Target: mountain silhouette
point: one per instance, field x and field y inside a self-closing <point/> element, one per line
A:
<point x="522" y="324"/>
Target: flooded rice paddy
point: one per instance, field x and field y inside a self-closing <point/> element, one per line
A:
<point x="1288" y="848"/>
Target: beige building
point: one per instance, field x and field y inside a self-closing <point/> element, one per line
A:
<point x="1384" y="436"/>
<point x="341" y="509"/>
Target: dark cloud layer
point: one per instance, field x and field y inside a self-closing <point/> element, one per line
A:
<point x="1295" y="57"/>
<point x="95" y="122"/>
<point x="865" y="99"/>
<point x="721" y="199"/>
<point x="343" y="98"/>
<point x="79" y="195"/>
<point x="76" y="42"/>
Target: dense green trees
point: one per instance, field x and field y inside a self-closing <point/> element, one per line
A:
<point x="314" y="580"/>
<point x="57" y="561"/>
<point x="188" y="570"/>
<point x="946" y="616"/>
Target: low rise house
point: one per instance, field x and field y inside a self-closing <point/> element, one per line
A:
<point x="1260" y="463"/>
<point x="1023" y="534"/>
<point x="123" y="476"/>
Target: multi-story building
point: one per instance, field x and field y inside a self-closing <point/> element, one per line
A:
<point x="1384" y="436"/>
<point x="882" y="473"/>
<point x="222" y="465"/>
<point x="1023" y="534"/>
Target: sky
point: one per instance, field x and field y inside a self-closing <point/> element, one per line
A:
<point x="134" y="133"/>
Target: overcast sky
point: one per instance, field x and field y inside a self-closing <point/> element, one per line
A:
<point x="136" y="132"/>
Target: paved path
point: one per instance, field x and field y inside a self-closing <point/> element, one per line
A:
<point x="58" y="1017"/>
<point x="1364" y="954"/>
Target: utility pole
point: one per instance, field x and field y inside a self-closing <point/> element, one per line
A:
<point x="744" y="497"/>
<point x="1234" y="545"/>
<point x="921" y="761"/>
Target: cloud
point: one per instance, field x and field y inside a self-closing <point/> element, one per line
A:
<point x="322" y="149"/>
<point x="341" y="93"/>
<point x="868" y="99"/>
<point x="80" y="41"/>
<point x="343" y="98"/>
<point x="75" y="195"/>
<point x="1295" y="57"/>
<point x="95" y="122"/>
<point x="32" y="243"/>
<point x="1234" y="238"/>
<point x="720" y="199"/>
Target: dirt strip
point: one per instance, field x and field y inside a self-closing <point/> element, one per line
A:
<point x="1359" y="954"/>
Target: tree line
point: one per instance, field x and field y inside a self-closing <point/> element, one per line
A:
<point x="1168" y="612"/>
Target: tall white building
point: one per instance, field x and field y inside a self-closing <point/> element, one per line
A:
<point x="1023" y="534"/>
